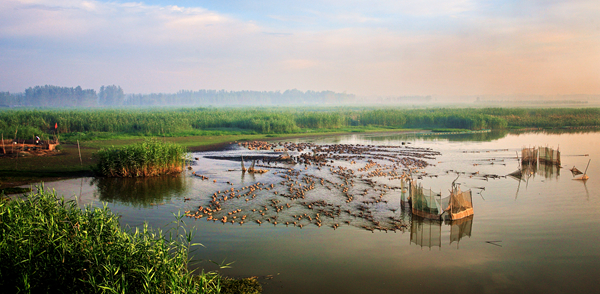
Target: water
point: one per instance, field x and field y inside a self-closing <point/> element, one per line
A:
<point x="538" y="235"/>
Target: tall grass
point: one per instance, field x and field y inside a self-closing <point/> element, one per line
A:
<point x="49" y="245"/>
<point x="149" y="158"/>
<point x="282" y="120"/>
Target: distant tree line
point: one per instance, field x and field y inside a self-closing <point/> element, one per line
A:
<point x="110" y="96"/>
<point x="243" y="98"/>
<point x="53" y="96"/>
<point x="114" y="96"/>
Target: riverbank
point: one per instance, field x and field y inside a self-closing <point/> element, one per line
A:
<point x="66" y="163"/>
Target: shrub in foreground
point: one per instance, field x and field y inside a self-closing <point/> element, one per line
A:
<point x="49" y="245"/>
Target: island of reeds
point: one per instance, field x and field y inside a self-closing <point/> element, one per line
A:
<point x="146" y="159"/>
<point x="49" y="245"/>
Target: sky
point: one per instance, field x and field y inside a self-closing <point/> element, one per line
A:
<point x="374" y="47"/>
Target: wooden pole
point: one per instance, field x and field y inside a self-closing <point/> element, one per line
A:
<point x="78" y="149"/>
<point x="3" y="150"/>
<point x="586" y="168"/>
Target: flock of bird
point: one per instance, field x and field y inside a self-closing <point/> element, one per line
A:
<point x="320" y="185"/>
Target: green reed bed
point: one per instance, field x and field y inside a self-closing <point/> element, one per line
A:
<point x="146" y="159"/>
<point x="94" y="124"/>
<point x="49" y="245"/>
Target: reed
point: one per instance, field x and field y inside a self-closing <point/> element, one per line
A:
<point x="149" y="158"/>
<point x="174" y="122"/>
<point x="49" y="245"/>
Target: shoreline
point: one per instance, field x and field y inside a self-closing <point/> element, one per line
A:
<point x="33" y="177"/>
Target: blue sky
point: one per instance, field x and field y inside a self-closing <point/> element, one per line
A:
<point x="429" y="47"/>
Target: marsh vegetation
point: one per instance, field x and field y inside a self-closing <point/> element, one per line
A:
<point x="176" y="122"/>
<point x="146" y="159"/>
<point x="50" y="245"/>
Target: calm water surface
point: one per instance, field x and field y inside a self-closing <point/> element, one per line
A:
<point x="539" y="235"/>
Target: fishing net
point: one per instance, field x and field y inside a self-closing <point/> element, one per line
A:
<point x="549" y="155"/>
<point x="529" y="155"/>
<point x="425" y="202"/>
<point x="461" y="204"/>
<point x="404" y="192"/>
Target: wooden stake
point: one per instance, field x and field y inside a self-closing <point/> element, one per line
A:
<point x="80" y="161"/>
<point x="3" y="150"/>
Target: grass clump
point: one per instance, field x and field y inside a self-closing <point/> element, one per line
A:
<point x="235" y="286"/>
<point x="49" y="245"/>
<point x="149" y="158"/>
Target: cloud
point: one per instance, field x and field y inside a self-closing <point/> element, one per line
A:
<point x="363" y="47"/>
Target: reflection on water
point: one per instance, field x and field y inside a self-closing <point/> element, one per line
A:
<point x="548" y="170"/>
<point x="537" y="243"/>
<point x="140" y="191"/>
<point x="426" y="232"/>
<point x="411" y="136"/>
<point x="527" y="171"/>
<point x="460" y="228"/>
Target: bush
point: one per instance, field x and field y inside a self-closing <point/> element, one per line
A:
<point x="150" y="158"/>
<point x="50" y="245"/>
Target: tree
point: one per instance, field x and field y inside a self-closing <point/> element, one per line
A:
<point x="111" y="96"/>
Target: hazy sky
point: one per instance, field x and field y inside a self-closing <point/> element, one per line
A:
<point x="426" y="47"/>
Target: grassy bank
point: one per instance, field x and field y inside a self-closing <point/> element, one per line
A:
<point x="48" y="245"/>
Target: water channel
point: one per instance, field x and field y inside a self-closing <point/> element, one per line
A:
<point x="539" y="234"/>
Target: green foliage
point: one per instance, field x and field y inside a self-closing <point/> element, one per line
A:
<point x="22" y="133"/>
<point x="149" y="158"/>
<point x="48" y="245"/>
<point x="165" y="122"/>
<point x="546" y="117"/>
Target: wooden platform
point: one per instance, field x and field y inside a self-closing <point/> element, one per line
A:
<point x="9" y="147"/>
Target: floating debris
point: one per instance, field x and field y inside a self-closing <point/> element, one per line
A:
<point x="584" y="177"/>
